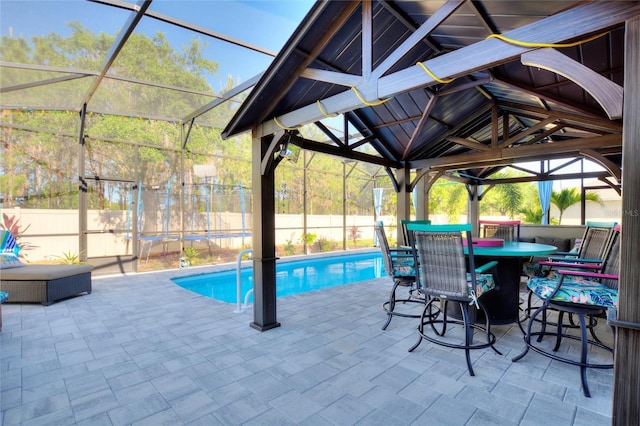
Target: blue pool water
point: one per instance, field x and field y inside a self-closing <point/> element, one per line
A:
<point x="291" y="277"/>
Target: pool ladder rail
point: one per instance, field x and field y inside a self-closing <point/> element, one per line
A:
<point x="240" y="308"/>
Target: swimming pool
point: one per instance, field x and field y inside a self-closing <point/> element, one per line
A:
<point x="292" y="277"/>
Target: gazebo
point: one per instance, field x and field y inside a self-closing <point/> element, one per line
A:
<point x="458" y="90"/>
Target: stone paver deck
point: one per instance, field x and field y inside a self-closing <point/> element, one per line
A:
<point x="141" y="350"/>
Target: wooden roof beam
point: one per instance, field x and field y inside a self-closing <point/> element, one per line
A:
<point x="607" y="93"/>
<point x="324" y="148"/>
<point x="544" y="177"/>
<point x="417" y="36"/>
<point x="468" y="143"/>
<point x="566" y="117"/>
<point x="543" y="97"/>
<point x="568" y="25"/>
<point x="545" y="134"/>
<point x="613" y="168"/>
<point x="431" y="103"/>
<point x="468" y="160"/>
<point x="541" y="125"/>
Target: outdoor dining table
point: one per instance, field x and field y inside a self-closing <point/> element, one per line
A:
<point x="503" y="303"/>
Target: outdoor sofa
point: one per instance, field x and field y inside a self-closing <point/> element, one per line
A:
<point x="45" y="284"/>
<point x="38" y="283"/>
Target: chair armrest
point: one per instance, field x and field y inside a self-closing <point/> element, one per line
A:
<point x="566" y="253"/>
<point x="401" y="253"/>
<point x="570" y="265"/>
<point x="577" y="259"/>
<point x="589" y="274"/>
<point x="486" y="266"/>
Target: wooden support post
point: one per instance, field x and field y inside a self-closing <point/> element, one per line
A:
<point x="264" y="247"/>
<point x="626" y="385"/>
<point x="473" y="208"/>
<point x="403" y="201"/>
<point x="421" y="201"/>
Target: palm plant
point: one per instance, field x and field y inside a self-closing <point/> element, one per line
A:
<point x="570" y="196"/>
<point x="191" y="255"/>
<point x="69" y="258"/>
<point x="511" y="198"/>
<point x="534" y="215"/>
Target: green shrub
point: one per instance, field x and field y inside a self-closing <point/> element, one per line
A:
<point x="289" y="248"/>
<point x="324" y="244"/>
<point x="191" y="254"/>
<point x="308" y="239"/>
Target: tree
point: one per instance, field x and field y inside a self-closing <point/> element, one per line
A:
<point x="534" y="215"/>
<point x="38" y="167"/>
<point x="510" y="198"/>
<point x="505" y="198"/>
<point x="570" y="196"/>
<point x="449" y="198"/>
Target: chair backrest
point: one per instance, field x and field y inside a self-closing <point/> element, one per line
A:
<point x="405" y="233"/>
<point x="508" y="230"/>
<point x="384" y="248"/>
<point x="595" y="242"/>
<point x="612" y="259"/>
<point x="592" y="224"/>
<point x="439" y="251"/>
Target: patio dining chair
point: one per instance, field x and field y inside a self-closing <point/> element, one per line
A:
<point x="508" y="230"/>
<point x="442" y="275"/>
<point x="405" y="233"/>
<point x="593" y="244"/>
<point x="585" y="293"/>
<point x="590" y="255"/>
<point x="399" y="265"/>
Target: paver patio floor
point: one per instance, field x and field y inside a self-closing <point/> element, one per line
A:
<point x="142" y="350"/>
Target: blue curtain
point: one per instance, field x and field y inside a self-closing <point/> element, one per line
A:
<point x="544" y="192"/>
<point x="377" y="206"/>
<point x="414" y="192"/>
<point x="377" y="200"/>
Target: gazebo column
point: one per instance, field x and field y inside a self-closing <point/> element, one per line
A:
<point x="403" y="200"/>
<point x="626" y="385"/>
<point x="473" y="207"/>
<point x="421" y="200"/>
<point x="264" y="240"/>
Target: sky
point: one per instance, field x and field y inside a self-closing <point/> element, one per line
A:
<point x="267" y="24"/>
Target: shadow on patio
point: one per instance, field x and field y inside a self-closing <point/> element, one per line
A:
<point x="141" y="350"/>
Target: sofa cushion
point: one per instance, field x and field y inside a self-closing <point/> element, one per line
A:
<point x="563" y="244"/>
<point x="44" y="272"/>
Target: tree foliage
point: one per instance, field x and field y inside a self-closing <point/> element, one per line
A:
<point x="533" y="215"/>
<point x="448" y="198"/>
<point x="570" y="196"/>
<point x="40" y="151"/>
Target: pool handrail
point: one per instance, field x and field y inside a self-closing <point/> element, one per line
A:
<point x="239" y="307"/>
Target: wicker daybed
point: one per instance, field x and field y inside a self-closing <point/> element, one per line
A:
<point x="45" y="283"/>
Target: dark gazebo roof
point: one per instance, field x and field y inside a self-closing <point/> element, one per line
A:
<point x="425" y="87"/>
